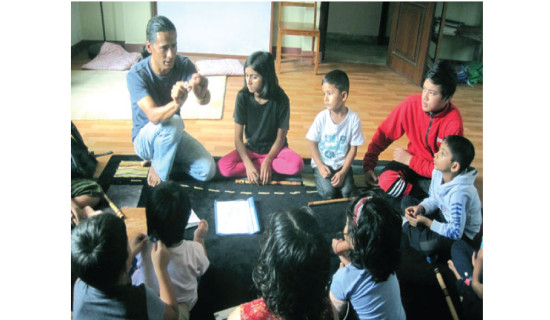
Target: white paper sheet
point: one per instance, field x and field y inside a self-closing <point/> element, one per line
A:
<point x="236" y="217"/>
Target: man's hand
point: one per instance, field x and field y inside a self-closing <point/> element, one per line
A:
<point x="179" y="92"/>
<point x="402" y="155"/>
<point x="199" y="84"/>
<point x="371" y="178"/>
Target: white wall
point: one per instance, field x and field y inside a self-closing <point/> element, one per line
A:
<point x="228" y="27"/>
<point x="136" y="15"/>
<point x="237" y="28"/>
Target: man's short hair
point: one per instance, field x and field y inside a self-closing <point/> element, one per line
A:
<point x="99" y="250"/>
<point x="462" y="150"/>
<point x="443" y="74"/>
<point x="337" y="78"/>
<point x="158" y="24"/>
<point x="167" y="211"/>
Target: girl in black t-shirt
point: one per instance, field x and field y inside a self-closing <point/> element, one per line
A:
<point x="262" y="112"/>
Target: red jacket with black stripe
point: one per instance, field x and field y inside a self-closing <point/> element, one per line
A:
<point x="425" y="132"/>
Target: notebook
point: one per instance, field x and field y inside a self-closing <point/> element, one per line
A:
<point x="236" y="217"/>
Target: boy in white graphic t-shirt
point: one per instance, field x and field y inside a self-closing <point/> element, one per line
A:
<point x="333" y="139"/>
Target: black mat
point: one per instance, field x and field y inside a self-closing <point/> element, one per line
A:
<point x="228" y="282"/>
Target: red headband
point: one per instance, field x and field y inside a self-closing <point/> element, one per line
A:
<point x="359" y="208"/>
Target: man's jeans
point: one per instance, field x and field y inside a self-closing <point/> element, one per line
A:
<point x="167" y="144"/>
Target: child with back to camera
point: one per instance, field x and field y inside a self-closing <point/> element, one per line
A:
<point x="262" y="113"/>
<point x="100" y="257"/>
<point x="452" y="210"/>
<point x="370" y="256"/>
<point x="167" y="212"/>
<point x="292" y="272"/>
<point x="333" y="139"/>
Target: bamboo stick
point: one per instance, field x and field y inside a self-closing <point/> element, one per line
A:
<point x="322" y="202"/>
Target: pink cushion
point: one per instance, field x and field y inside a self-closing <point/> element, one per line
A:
<point x="220" y="67"/>
<point x="112" y="57"/>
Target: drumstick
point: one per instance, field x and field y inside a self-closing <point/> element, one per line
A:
<point x="283" y="183"/>
<point x="321" y="202"/>
<point x="114" y="207"/>
<point x="446" y="293"/>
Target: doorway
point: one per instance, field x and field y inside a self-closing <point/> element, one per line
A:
<point x="355" y="32"/>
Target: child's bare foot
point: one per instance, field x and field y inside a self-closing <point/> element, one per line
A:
<point x="153" y="178"/>
<point x="453" y="269"/>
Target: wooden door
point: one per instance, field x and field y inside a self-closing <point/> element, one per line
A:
<point x="409" y="38"/>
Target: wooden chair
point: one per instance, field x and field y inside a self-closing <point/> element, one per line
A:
<point x="306" y="29"/>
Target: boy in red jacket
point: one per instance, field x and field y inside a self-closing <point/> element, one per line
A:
<point x="426" y="119"/>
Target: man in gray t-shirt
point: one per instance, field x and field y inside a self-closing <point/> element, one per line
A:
<point x="158" y="86"/>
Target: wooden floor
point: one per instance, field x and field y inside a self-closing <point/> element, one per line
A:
<point x="374" y="92"/>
